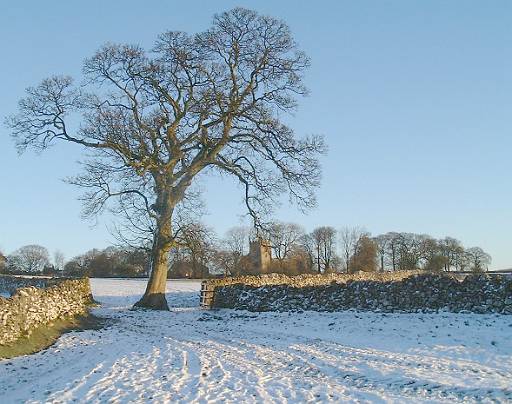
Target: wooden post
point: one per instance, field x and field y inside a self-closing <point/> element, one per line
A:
<point x="207" y="295"/>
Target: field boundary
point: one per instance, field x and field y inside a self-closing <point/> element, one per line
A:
<point x="411" y="291"/>
<point x="36" y="303"/>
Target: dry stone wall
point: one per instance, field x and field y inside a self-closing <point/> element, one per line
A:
<point x="38" y="302"/>
<point x="9" y="283"/>
<point x="385" y="292"/>
<point x="309" y="279"/>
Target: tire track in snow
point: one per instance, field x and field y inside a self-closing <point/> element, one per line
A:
<point x="312" y="354"/>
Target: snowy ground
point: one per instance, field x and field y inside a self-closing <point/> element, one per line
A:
<point x="192" y="355"/>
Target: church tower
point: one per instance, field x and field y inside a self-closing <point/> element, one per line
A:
<point x="260" y="255"/>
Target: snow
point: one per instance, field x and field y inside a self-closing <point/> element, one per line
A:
<point x="193" y="355"/>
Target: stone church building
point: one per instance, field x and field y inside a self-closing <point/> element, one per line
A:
<point x="259" y="259"/>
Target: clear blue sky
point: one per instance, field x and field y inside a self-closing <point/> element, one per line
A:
<point x="414" y="99"/>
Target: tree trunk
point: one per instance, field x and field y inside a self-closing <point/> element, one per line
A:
<point x="154" y="296"/>
<point x="318" y="260"/>
<point x="393" y="258"/>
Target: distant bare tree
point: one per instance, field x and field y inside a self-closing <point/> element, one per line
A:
<point x="453" y="251"/>
<point x="80" y="265"/>
<point x="58" y="260"/>
<point x="349" y="238"/>
<point x="3" y="260"/>
<point x="30" y="258"/>
<point x="381" y="243"/>
<point x="478" y="259"/>
<point x="407" y="251"/>
<point x="309" y="250"/>
<point x="434" y="260"/>
<point x="284" y="237"/>
<point x="237" y="240"/>
<point x="411" y="249"/>
<point x="393" y="249"/>
<point x="324" y="239"/>
<point x="197" y="241"/>
<point x="235" y="246"/>
<point x="224" y="262"/>
<point x="153" y="121"/>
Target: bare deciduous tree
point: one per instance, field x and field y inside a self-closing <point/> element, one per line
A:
<point x="284" y="237"/>
<point x="411" y="250"/>
<point x="197" y="241"/>
<point x="30" y="258"/>
<point x="153" y="121"/>
<point x="406" y="251"/>
<point x="58" y="260"/>
<point x="237" y="240"/>
<point x="478" y="259"/>
<point x="308" y="247"/>
<point x="324" y="241"/>
<point x="3" y="261"/>
<point x="349" y="237"/>
<point x="452" y="251"/>
<point x="381" y="242"/>
<point x="234" y="246"/>
<point x="224" y="262"/>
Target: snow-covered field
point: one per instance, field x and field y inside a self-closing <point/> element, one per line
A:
<point x="192" y="355"/>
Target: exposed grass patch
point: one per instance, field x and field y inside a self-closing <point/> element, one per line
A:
<point x="46" y="335"/>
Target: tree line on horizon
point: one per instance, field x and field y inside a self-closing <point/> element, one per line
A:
<point x="200" y="253"/>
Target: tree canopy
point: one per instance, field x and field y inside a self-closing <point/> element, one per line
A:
<point x="153" y="120"/>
